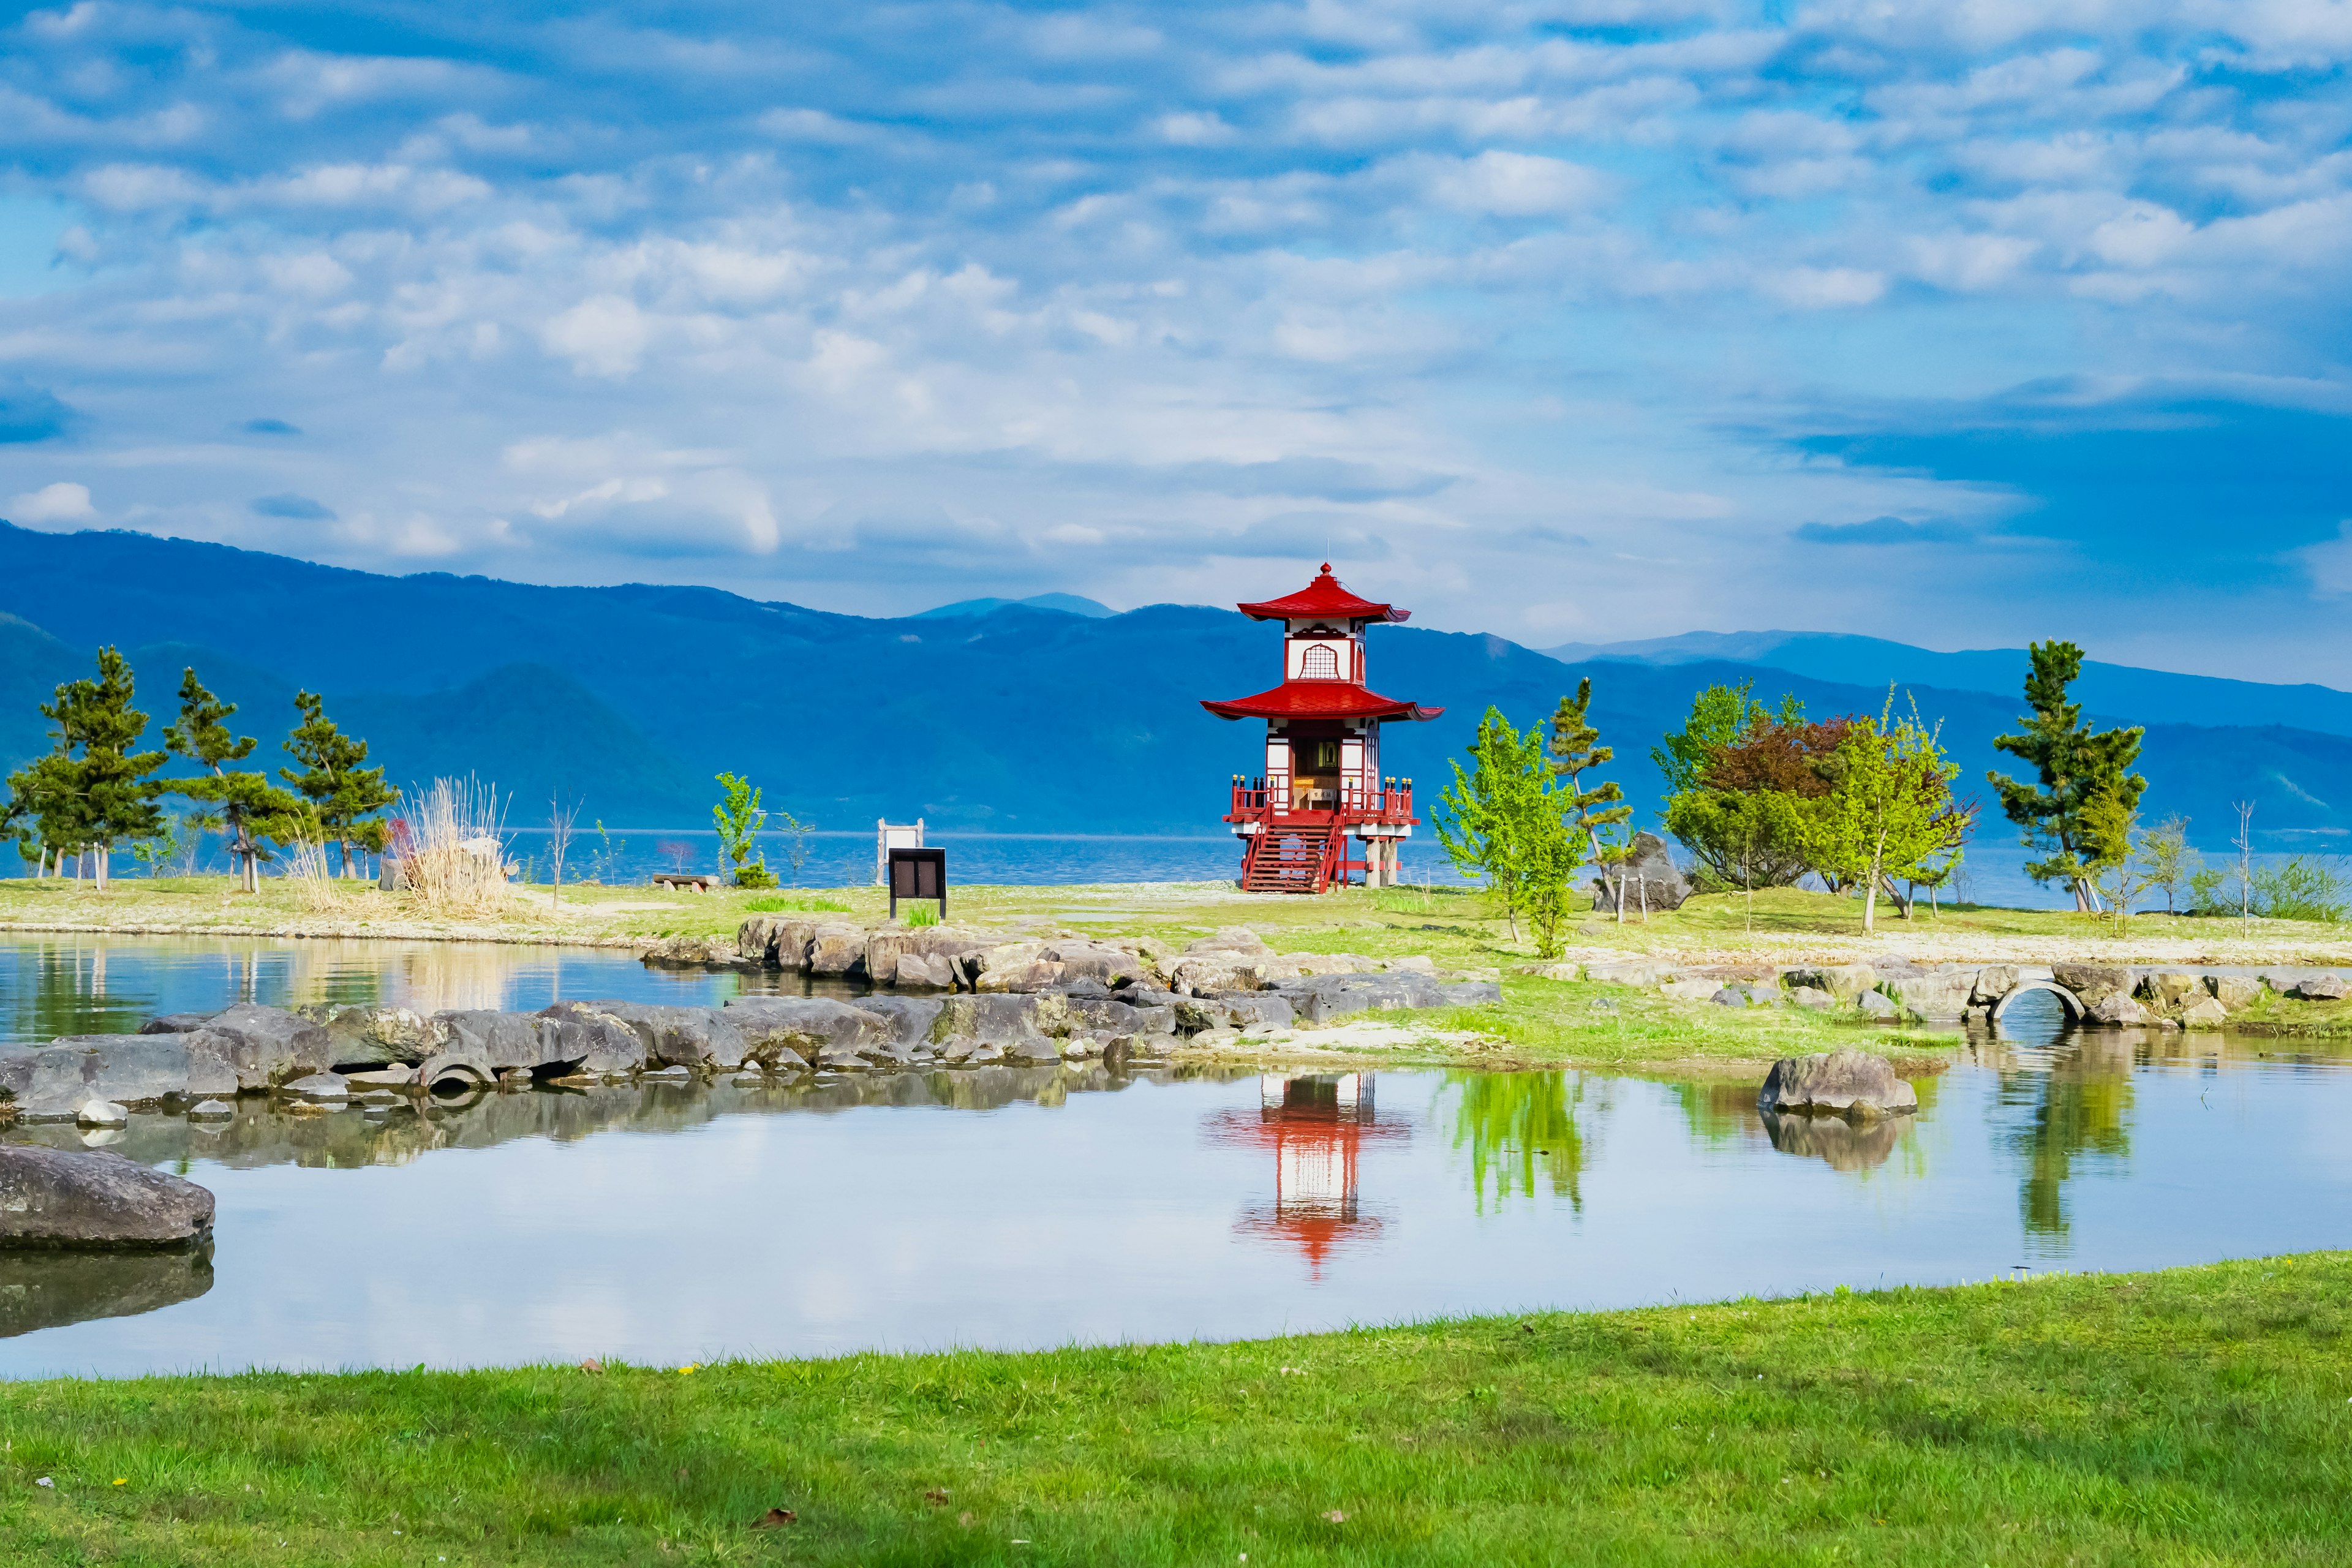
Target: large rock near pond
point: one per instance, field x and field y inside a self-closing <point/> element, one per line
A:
<point x="1845" y="1082"/>
<point x="1319" y="998"/>
<point x="53" y="1082"/>
<point x="1651" y="880"/>
<point x="1937" y="995"/>
<point x="1843" y="981"/>
<point x="506" y="1042"/>
<point x="2093" y="982"/>
<point x="780" y="1031"/>
<point x="269" y="1045"/>
<point x="52" y="1199"/>
<point x="589" y="1039"/>
<point x="681" y="1037"/>
<point x="377" y="1036"/>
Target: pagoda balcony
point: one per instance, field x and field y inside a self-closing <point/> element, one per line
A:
<point x="1256" y="805"/>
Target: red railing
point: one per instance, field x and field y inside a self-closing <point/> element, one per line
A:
<point x="1392" y="803"/>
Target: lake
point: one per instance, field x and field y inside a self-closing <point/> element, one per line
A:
<point x="1010" y="1207"/>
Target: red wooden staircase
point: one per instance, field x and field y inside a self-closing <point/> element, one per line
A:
<point x="1301" y="858"/>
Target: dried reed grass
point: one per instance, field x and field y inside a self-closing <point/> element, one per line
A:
<point x="312" y="875"/>
<point x="453" y="855"/>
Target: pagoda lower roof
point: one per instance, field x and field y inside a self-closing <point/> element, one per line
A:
<point x="1320" y="699"/>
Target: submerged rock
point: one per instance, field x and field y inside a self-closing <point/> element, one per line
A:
<point x="1845" y="1082"/>
<point x="52" y="1199"/>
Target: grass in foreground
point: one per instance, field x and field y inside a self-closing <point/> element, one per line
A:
<point x="2196" y="1415"/>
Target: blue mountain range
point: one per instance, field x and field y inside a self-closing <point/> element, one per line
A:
<point x="1011" y="717"/>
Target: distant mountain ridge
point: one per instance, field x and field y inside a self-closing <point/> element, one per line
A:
<point x="1014" y="719"/>
<point x="2108" y="690"/>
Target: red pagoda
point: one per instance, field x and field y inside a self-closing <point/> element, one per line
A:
<point x="1322" y="783"/>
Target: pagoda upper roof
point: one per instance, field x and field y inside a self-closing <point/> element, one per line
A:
<point x="1320" y="699"/>
<point x="1323" y="600"/>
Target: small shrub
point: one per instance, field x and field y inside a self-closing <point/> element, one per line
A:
<point x="923" y="915"/>
<point x="755" y="875"/>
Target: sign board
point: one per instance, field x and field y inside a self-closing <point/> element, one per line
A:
<point x="919" y="874"/>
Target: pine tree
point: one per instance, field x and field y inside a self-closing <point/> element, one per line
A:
<point x="2075" y="765"/>
<point x="91" y="791"/>
<point x="1573" y="752"/>
<point x="252" y="809"/>
<point x="343" y="793"/>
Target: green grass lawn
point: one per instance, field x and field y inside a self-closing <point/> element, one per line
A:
<point x="2199" y="1416"/>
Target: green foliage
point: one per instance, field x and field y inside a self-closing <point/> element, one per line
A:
<point x="739" y="819"/>
<point x="344" y="796"/>
<point x="2168" y="862"/>
<point x="923" y="915"/>
<point x="808" y="904"/>
<point x="1502" y="820"/>
<point x="1718" y="716"/>
<point x="91" y="791"/>
<point x="2074" y="766"/>
<point x="1889" y="811"/>
<point x="2300" y="887"/>
<point x="1742" y="838"/>
<point x="1575" y="750"/>
<point x="255" y="812"/>
<point x="2111" y="853"/>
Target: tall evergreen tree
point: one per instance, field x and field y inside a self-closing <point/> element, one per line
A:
<point x="344" y="794"/>
<point x="251" y="808"/>
<point x="2074" y="766"/>
<point x="1574" y="753"/>
<point x="117" y="796"/>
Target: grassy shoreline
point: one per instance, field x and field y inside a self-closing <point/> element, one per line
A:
<point x="2194" y="1415"/>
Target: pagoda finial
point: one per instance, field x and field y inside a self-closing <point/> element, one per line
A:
<point x="1326" y="569"/>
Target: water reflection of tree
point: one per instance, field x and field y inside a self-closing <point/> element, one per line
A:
<point x="1514" y="1124"/>
<point x="2079" y="1109"/>
<point x="58" y="989"/>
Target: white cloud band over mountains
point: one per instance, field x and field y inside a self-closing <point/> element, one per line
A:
<point x="1959" y="323"/>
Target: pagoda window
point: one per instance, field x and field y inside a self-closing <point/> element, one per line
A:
<point x="1320" y="663"/>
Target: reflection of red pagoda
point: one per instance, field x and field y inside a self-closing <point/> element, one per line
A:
<point x="1323" y="779"/>
<point x="1314" y="1127"/>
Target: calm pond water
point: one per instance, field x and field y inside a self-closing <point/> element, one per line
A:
<point x="1020" y="1207"/>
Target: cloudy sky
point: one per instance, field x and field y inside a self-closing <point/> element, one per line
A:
<point x="1961" y="321"/>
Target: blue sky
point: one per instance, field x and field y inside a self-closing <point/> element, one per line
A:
<point x="1961" y="322"/>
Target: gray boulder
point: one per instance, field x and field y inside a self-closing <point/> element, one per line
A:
<point x="1843" y="1082"/>
<point x="1810" y="996"/>
<point x="1469" y="992"/>
<point x="53" y="1199"/>
<point x="1651" y="880"/>
<point x="1237" y="940"/>
<point x="1318" y="998"/>
<point x="680" y="1036"/>
<point x="2203" y="1013"/>
<point x="53" y="1082"/>
<point x="1843" y="981"/>
<point x="1002" y="1020"/>
<point x="1120" y="1016"/>
<point x="912" y="1019"/>
<point x="2171" y="988"/>
<point x="267" y="1046"/>
<point x="2093" y="982"/>
<point x="2321" y="988"/>
<point x="1937" y="995"/>
<point x="1994" y="981"/>
<point x="1249" y="1011"/>
<point x="2118" y="1007"/>
<point x="594" y="1041"/>
<point x="377" y="1036"/>
<point x="1629" y="972"/>
<point x="2234" y="991"/>
<point x="320" y="1088"/>
<point x="506" y="1042"/>
<point x="838" y="951"/>
<point x="805" y="1026"/>
<point x="1877" y="1005"/>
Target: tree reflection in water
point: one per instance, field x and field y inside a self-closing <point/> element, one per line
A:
<point x="2080" y="1108"/>
<point x="1519" y="1127"/>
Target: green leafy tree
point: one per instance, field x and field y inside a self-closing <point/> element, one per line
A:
<point x="1738" y="776"/>
<point x="92" y="791"/>
<point x="1889" y="809"/>
<point x="2073" y="765"/>
<point x="1575" y="752"/>
<point x="2171" y="863"/>
<point x="2110" y="853"/>
<point x="1501" y="819"/>
<point x="739" y="819"/>
<point x="343" y="792"/>
<point x="1718" y="715"/>
<point x="254" y="812"/>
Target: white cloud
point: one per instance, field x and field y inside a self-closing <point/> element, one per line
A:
<point x="1514" y="184"/>
<point x="603" y="335"/>
<point x="60" y="502"/>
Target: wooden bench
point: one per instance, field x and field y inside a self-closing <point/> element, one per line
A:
<point x="687" y="882"/>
